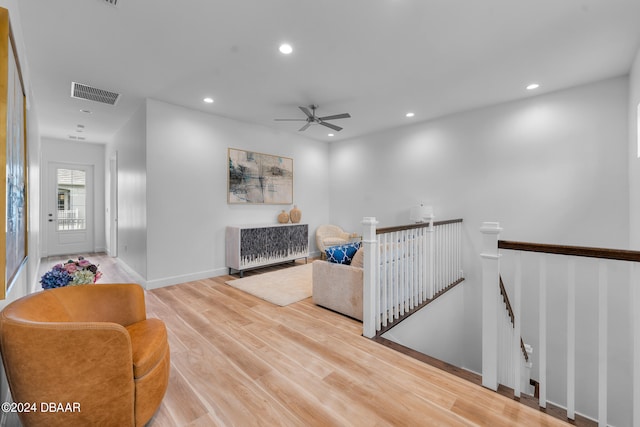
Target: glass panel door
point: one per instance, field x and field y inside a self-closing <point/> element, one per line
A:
<point x="72" y="199"/>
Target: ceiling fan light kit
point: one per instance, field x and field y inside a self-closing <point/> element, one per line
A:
<point x="311" y="119"/>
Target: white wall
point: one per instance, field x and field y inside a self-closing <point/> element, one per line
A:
<point x="550" y="168"/>
<point x="634" y="209"/>
<point x="437" y="331"/>
<point x="75" y="153"/>
<point x="634" y="153"/>
<point x="187" y="188"/>
<point x="34" y="159"/>
<point x="130" y="146"/>
<point x="26" y="280"/>
<point x="26" y="277"/>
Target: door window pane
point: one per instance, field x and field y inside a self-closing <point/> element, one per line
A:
<point x="72" y="196"/>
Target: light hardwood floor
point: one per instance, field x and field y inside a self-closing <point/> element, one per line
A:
<point x="239" y="361"/>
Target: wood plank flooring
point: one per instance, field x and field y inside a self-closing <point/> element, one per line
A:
<point x="239" y="361"/>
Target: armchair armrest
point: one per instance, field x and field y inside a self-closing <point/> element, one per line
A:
<point x="338" y="287"/>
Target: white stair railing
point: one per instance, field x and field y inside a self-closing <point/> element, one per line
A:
<point x="405" y="267"/>
<point x="565" y="257"/>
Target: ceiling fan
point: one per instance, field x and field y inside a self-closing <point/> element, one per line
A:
<point x="311" y="119"/>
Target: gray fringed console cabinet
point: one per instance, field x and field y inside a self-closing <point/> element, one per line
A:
<point x="252" y="246"/>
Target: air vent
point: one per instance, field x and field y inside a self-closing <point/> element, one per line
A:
<point x="80" y="91"/>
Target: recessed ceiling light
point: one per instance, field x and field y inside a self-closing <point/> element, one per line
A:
<point x="86" y="111"/>
<point x="410" y="114"/>
<point x="208" y="100"/>
<point x="533" y="86"/>
<point x="285" y="48"/>
<point x="330" y="134"/>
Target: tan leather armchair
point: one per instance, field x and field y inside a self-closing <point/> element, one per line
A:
<point x="90" y="346"/>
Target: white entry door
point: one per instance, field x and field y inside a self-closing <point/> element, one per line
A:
<point x="70" y="209"/>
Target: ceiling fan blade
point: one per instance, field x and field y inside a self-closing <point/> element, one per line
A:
<point x="336" y="116"/>
<point x="290" y="120"/>
<point x="305" y="127"/>
<point x="306" y="111"/>
<point x="329" y="125"/>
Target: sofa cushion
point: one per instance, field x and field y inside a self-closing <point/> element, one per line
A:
<point x="342" y="254"/>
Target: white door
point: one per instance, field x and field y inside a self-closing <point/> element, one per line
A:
<point x="70" y="209"/>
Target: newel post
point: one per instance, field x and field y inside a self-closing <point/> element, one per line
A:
<point x="370" y="245"/>
<point x="490" y="280"/>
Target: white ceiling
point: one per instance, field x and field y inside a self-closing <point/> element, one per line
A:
<point x="375" y="59"/>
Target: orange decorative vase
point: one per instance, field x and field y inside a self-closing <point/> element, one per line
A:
<point x="283" y="217"/>
<point x="295" y="214"/>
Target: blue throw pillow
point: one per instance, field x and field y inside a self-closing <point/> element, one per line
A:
<point x="342" y="254"/>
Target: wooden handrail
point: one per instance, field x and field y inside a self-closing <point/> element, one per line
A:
<point x="582" y="251"/>
<point x="414" y="226"/>
<point x="505" y="298"/>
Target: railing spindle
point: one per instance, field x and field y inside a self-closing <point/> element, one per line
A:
<point x="438" y="258"/>
<point x="431" y="261"/>
<point x="571" y="339"/>
<point x="635" y="303"/>
<point x="449" y="253"/>
<point x="517" y="304"/>
<point x="423" y="266"/>
<point x="602" y="344"/>
<point x="401" y="283"/>
<point x="542" y="322"/>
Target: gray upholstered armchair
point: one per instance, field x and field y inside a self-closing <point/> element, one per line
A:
<point x="331" y="235"/>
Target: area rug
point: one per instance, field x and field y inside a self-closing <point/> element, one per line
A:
<point x="281" y="287"/>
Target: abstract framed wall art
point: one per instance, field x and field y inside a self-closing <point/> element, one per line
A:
<point x="257" y="178"/>
<point x="13" y="164"/>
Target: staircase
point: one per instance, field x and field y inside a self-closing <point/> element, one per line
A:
<point x="506" y="340"/>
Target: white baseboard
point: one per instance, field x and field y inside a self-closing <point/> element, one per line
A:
<point x="175" y="280"/>
<point x="130" y="271"/>
<point x="315" y="254"/>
